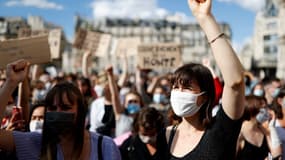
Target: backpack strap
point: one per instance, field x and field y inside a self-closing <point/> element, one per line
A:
<point x="99" y="147"/>
<point x="171" y="136"/>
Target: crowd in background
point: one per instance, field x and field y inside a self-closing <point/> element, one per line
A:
<point x="137" y="115"/>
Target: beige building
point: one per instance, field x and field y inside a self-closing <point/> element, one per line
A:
<point x="267" y="51"/>
<point x="130" y="32"/>
<point x="9" y="27"/>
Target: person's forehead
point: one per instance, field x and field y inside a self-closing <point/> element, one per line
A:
<point x="192" y="84"/>
<point x="158" y="90"/>
<point x="64" y="99"/>
<point x="149" y="131"/>
<point x="132" y="96"/>
<point x="276" y="84"/>
<point x="39" y="111"/>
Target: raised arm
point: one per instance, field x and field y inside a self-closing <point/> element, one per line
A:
<point x="25" y="97"/>
<point x="124" y="75"/>
<point x="85" y="60"/>
<point x="118" y="108"/>
<point x="16" y="72"/>
<point x="226" y="59"/>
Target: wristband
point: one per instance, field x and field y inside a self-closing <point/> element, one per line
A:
<point x="219" y="36"/>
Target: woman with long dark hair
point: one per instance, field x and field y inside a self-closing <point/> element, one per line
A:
<point x="64" y="136"/>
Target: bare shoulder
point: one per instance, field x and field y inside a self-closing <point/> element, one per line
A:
<point x="167" y="132"/>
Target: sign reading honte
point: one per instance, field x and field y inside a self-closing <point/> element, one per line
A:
<point x="35" y="50"/>
<point x="160" y="56"/>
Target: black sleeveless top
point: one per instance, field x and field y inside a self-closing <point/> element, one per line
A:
<point x="218" y="142"/>
<point x="252" y="152"/>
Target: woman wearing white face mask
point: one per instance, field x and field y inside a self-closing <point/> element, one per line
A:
<point x="199" y="136"/>
<point x="37" y="118"/>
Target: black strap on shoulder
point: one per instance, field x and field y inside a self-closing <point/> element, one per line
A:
<point x="100" y="139"/>
<point x="171" y="136"/>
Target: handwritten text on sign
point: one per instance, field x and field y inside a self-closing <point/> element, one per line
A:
<point x="35" y="50"/>
<point x="159" y="56"/>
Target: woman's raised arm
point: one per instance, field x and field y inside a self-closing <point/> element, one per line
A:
<point x="226" y="59"/>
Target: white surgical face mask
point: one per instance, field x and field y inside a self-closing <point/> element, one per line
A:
<point x="184" y="104"/>
<point x="262" y="115"/>
<point x="147" y="139"/>
<point x="258" y="92"/>
<point x="36" y="126"/>
<point x="158" y="98"/>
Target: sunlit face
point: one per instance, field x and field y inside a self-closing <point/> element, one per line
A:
<point x="65" y="107"/>
<point x="132" y="98"/>
<point x="38" y="114"/>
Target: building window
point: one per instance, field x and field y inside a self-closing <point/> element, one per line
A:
<point x="273" y="38"/>
<point x="271" y="49"/>
<point x="271" y="25"/>
<point x="272" y="11"/>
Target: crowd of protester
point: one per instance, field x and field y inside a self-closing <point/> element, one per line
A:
<point x="189" y="114"/>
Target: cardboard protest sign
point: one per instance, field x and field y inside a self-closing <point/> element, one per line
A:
<point x="127" y="46"/>
<point x="24" y="32"/>
<point x="54" y="39"/>
<point x="35" y="49"/>
<point x="79" y="38"/>
<point x="28" y="32"/>
<point x="160" y="56"/>
<point x="96" y="42"/>
<point x="55" y="43"/>
<point x="104" y="45"/>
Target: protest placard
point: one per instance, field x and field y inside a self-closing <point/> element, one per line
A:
<point x="55" y="43"/>
<point x="160" y="56"/>
<point x="103" y="46"/>
<point x="96" y="42"/>
<point x="79" y="38"/>
<point x="34" y="49"/>
<point x="127" y="46"/>
<point x="54" y="39"/>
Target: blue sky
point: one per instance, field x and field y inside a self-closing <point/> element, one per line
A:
<point x="240" y="14"/>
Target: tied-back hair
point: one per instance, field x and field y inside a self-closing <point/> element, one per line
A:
<point x="49" y="142"/>
<point x="251" y="107"/>
<point x="193" y="72"/>
<point x="148" y="118"/>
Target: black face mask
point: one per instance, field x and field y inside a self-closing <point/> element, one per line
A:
<point x="58" y="123"/>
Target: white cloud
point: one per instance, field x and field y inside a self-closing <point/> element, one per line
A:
<point x="128" y="9"/>
<point x="252" y="5"/>
<point x="44" y="4"/>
